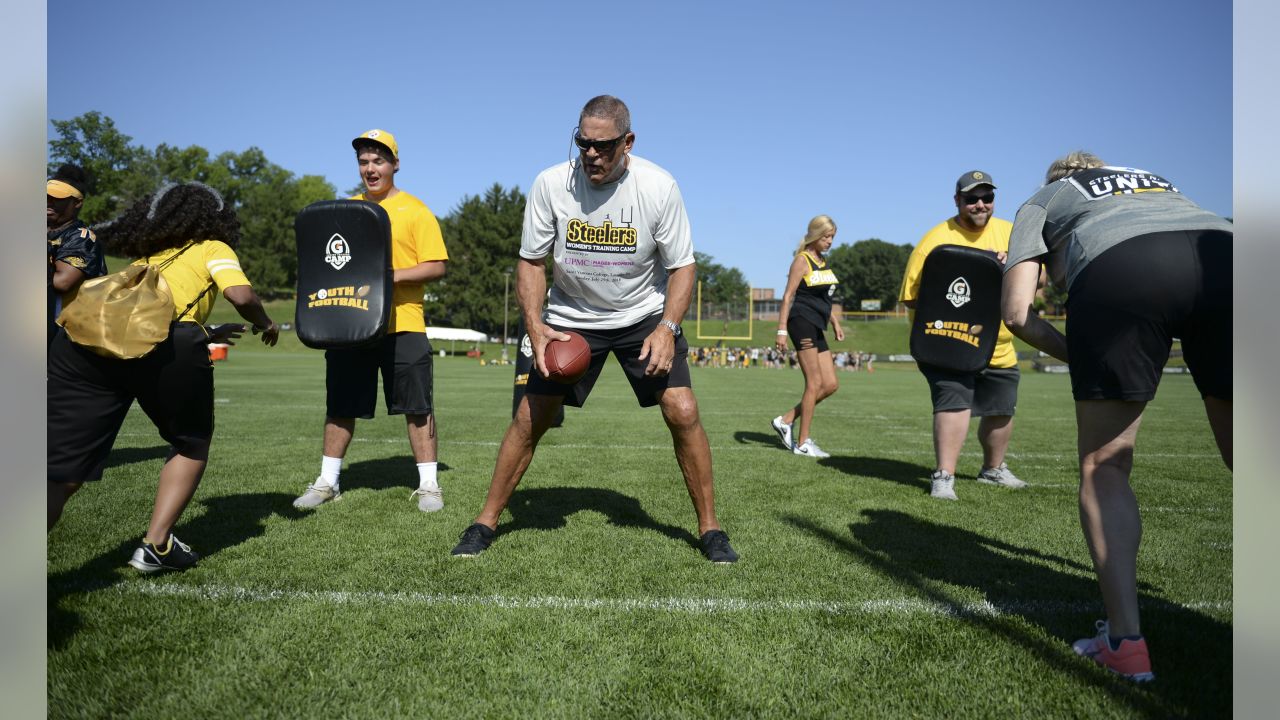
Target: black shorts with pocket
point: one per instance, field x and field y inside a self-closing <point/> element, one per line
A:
<point x="88" y="396"/>
<point x="991" y="392"/>
<point x="625" y="344"/>
<point x="351" y="377"/>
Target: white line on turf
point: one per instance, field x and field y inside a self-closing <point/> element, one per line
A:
<point x="886" y="606"/>
<point x="551" y="445"/>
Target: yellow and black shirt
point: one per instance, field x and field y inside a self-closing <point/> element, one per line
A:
<point x="76" y="246"/>
<point x="814" y="294"/>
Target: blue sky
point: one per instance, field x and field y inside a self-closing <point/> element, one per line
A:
<point x="766" y="113"/>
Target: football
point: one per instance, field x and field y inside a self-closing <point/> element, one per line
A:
<point x="567" y="360"/>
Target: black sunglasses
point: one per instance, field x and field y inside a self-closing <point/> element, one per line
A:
<point x="973" y="199"/>
<point x="603" y="147"/>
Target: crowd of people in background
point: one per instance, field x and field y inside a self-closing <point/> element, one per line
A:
<point x="735" y="356"/>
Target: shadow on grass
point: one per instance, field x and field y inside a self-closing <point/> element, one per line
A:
<point x="228" y="521"/>
<point x="384" y="473"/>
<point x="1191" y="651"/>
<point x="909" y="474"/>
<point x="550" y="508"/>
<point x="758" y="438"/>
<point x="128" y="456"/>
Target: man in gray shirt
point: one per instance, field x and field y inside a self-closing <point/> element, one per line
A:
<point x="624" y="272"/>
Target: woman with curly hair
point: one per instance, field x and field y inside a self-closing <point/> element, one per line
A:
<point x="806" y="309"/>
<point x="189" y="231"/>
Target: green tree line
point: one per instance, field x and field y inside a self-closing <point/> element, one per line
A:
<point x="266" y="197"/>
<point x="482" y="232"/>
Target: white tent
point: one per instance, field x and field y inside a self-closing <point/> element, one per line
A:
<point x="444" y="333"/>
<point x="453" y="335"/>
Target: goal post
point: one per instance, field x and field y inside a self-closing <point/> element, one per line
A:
<point x="724" y="318"/>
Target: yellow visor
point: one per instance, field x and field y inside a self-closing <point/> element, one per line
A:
<point x="59" y="189"/>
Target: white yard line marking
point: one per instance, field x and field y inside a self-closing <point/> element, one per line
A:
<point x="888" y="606"/>
<point x="735" y="447"/>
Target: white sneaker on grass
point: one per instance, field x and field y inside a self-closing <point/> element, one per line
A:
<point x="784" y="432"/>
<point x="428" y="500"/>
<point x="317" y="494"/>
<point x="1000" y="475"/>
<point x="942" y="485"/>
<point x="809" y="449"/>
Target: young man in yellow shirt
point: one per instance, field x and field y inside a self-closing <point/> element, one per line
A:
<point x="403" y="356"/>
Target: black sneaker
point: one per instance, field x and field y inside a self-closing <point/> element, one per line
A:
<point x="474" y="540"/>
<point x="176" y="555"/>
<point x="715" y="545"/>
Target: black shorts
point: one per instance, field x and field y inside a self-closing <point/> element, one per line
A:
<point x="991" y="392"/>
<point x="1127" y="305"/>
<point x="351" y="377"/>
<point x="625" y="343"/>
<point x="805" y="335"/>
<point x="88" y="396"/>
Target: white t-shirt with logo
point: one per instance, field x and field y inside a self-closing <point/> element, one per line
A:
<point x="612" y="245"/>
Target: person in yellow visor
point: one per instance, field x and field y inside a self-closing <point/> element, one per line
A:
<point x="74" y="252"/>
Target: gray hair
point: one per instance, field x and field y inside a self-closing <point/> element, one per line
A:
<point x="1070" y="164"/>
<point x="818" y="227"/>
<point x="607" y="107"/>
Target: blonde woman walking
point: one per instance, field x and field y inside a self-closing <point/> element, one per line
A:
<point x="806" y="310"/>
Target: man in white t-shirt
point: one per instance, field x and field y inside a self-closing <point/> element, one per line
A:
<point x="616" y="228"/>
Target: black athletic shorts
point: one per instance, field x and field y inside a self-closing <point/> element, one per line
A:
<point x="625" y="343"/>
<point x="88" y="396"/>
<point x="805" y="335"/>
<point x="1127" y="305"/>
<point x="351" y="377"/>
<point x="991" y="392"/>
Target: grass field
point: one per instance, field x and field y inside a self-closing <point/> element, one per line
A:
<point x="883" y="336"/>
<point x="857" y="594"/>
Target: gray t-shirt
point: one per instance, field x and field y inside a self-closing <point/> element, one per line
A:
<point x="1076" y="219"/>
<point x="612" y="245"/>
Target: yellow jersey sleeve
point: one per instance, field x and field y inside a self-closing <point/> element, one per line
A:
<point x="911" y="277"/>
<point x="223" y="265"/>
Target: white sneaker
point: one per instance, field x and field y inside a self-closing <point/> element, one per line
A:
<point x="428" y="500"/>
<point x="784" y="432"/>
<point x="942" y="485"/>
<point x="317" y="494"/>
<point x="1000" y="475"/>
<point x="808" y="448"/>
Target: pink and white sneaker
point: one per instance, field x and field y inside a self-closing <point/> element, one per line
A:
<point x="1130" y="659"/>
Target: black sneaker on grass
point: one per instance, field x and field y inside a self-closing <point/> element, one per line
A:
<point x="715" y="545"/>
<point x="474" y="540"/>
<point x="176" y="555"/>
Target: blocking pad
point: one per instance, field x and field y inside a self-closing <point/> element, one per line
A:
<point x="957" y="318"/>
<point x="344" y="273"/>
